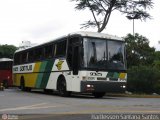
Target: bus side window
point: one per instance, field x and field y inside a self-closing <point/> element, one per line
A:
<point x="49" y="51"/>
<point x="17" y="59"/>
<point x="61" y="48"/>
<point x="23" y="57"/>
<point x="30" y="56"/>
<point x="38" y="53"/>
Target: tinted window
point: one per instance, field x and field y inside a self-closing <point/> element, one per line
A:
<point x="61" y="48"/>
<point x="38" y="54"/>
<point x="23" y="57"/>
<point x="49" y="51"/>
<point x="16" y="59"/>
<point x="30" y="56"/>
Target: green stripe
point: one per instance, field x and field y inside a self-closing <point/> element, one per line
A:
<point x="40" y="75"/>
<point x="47" y="74"/>
<point x="110" y="74"/>
<point x="114" y="75"/>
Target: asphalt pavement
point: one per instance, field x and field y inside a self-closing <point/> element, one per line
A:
<point x="38" y="105"/>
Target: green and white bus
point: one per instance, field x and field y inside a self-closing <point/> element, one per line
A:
<point x="85" y="62"/>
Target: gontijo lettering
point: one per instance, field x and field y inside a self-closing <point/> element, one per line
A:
<point x="26" y="68"/>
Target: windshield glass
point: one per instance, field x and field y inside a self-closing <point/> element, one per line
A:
<point x="103" y="54"/>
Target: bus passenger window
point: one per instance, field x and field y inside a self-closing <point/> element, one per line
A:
<point x="61" y="48"/>
<point x="49" y="51"/>
<point x="23" y="57"/>
<point x="17" y="59"/>
<point x="31" y="56"/>
<point x="38" y="54"/>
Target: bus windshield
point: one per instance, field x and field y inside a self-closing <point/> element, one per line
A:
<point x="102" y="54"/>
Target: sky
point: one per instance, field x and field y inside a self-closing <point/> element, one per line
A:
<point x="39" y="21"/>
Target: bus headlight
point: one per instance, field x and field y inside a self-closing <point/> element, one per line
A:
<point x="123" y="86"/>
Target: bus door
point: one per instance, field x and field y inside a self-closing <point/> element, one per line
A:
<point x="73" y="58"/>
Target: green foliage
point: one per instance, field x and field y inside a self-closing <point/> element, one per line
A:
<point x="157" y="55"/>
<point x="7" y="51"/>
<point x="156" y="64"/>
<point x="101" y="10"/>
<point x="143" y="65"/>
<point x="138" y="50"/>
<point x="143" y="79"/>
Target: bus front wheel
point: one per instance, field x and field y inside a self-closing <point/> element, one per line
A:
<point x="62" y="88"/>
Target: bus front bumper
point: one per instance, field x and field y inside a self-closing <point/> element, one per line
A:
<point x="103" y="86"/>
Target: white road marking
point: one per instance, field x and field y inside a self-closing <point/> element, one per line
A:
<point x="35" y="106"/>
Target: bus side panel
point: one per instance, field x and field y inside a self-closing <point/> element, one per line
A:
<point x="37" y="77"/>
<point x="60" y="67"/>
<point x="6" y="75"/>
<point x="30" y="79"/>
<point x="16" y="81"/>
<point x="52" y="83"/>
<point x="75" y="81"/>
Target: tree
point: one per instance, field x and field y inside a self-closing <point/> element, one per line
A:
<point x="138" y="50"/>
<point x="156" y="62"/>
<point x="101" y="10"/>
<point x="7" y="51"/>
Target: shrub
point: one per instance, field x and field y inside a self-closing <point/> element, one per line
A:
<point x="143" y="79"/>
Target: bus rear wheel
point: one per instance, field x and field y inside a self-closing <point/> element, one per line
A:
<point x="62" y="88"/>
<point x="98" y="94"/>
<point x="22" y="85"/>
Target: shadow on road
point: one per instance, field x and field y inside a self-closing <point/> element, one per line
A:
<point x="73" y="95"/>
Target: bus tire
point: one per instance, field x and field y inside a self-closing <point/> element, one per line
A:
<point x="62" y="87"/>
<point x="98" y="94"/>
<point x="28" y="89"/>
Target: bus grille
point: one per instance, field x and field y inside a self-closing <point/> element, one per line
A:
<point x="101" y="78"/>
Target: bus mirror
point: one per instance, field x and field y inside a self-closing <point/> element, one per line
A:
<point x="75" y="60"/>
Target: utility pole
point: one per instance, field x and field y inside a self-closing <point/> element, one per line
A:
<point x="133" y="27"/>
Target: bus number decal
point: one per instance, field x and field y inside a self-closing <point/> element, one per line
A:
<point x="95" y="74"/>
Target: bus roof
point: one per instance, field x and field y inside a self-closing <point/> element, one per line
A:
<point x="5" y="59"/>
<point x="97" y="35"/>
<point x="80" y="33"/>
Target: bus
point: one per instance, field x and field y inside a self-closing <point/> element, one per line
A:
<point x="6" y="72"/>
<point x="83" y="62"/>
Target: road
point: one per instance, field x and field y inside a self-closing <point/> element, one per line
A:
<point x="37" y="105"/>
